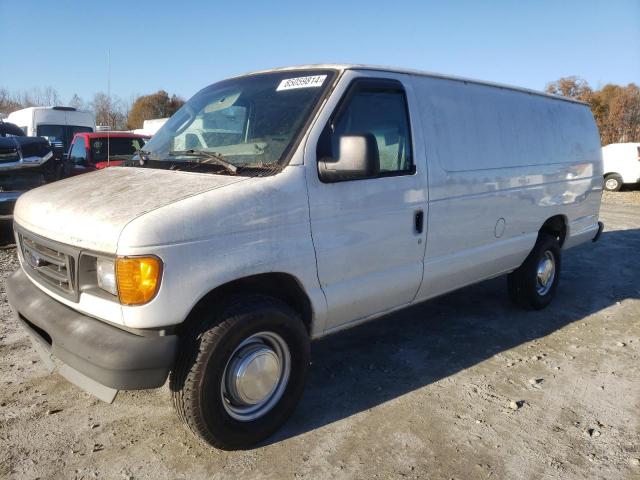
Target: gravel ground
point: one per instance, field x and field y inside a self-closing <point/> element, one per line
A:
<point x="465" y="387"/>
<point x="629" y="195"/>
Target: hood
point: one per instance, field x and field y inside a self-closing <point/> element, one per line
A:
<point x="89" y="211"/>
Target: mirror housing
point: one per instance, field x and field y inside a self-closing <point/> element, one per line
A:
<point x="358" y="158"/>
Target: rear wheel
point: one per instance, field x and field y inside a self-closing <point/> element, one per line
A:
<point x="241" y="372"/>
<point x="533" y="285"/>
<point x="613" y="182"/>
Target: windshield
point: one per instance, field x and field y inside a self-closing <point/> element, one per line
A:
<point x="60" y="135"/>
<point x="248" y="122"/>
<point x="117" y="147"/>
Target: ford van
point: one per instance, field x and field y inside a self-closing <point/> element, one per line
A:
<point x="277" y="207"/>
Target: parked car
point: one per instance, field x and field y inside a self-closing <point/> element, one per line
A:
<point x="621" y="165"/>
<point x="56" y="124"/>
<point x="97" y="150"/>
<point x="281" y="206"/>
<point x="25" y="163"/>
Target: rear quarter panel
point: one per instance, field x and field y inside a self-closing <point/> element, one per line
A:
<point x="498" y="155"/>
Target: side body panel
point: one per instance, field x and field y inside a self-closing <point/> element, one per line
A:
<point x="501" y="163"/>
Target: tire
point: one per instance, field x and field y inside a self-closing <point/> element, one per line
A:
<point x="203" y="391"/>
<point x="612" y="182"/>
<point x="526" y="285"/>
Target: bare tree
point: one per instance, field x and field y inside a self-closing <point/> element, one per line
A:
<point x="110" y="111"/>
<point x="40" y="97"/>
<point x="8" y="102"/>
<point x="76" y="102"/>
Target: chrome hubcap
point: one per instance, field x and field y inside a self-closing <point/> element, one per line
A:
<point x="611" y="184"/>
<point x="546" y="273"/>
<point x="256" y="376"/>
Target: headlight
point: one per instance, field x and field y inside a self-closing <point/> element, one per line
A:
<point x="107" y="275"/>
<point x="138" y="279"/>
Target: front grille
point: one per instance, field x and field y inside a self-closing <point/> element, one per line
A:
<point x="49" y="264"/>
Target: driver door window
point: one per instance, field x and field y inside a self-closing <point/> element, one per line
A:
<point x="382" y="112"/>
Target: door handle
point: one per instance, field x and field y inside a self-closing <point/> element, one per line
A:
<point x="418" y="221"/>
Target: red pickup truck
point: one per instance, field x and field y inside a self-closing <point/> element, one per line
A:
<point x="96" y="150"/>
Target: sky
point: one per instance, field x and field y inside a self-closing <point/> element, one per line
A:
<point x="183" y="46"/>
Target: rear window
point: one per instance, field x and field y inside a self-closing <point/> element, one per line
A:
<point x="114" y="147"/>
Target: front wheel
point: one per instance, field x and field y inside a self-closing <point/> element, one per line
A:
<point x="533" y="285"/>
<point x="241" y="372"/>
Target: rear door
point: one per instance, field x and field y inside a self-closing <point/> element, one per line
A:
<point x="369" y="234"/>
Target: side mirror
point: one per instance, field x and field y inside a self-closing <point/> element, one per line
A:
<point x="358" y="158"/>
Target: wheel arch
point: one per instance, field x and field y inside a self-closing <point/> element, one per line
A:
<point x="606" y="174"/>
<point x="557" y="226"/>
<point x="280" y="285"/>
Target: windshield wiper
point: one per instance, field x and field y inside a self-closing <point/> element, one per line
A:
<point x="210" y="157"/>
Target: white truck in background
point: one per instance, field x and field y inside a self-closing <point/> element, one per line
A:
<point x="621" y="163"/>
<point x="56" y="124"/>
<point x="151" y="126"/>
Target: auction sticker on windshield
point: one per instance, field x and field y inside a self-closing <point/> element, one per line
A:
<point x="301" y="82"/>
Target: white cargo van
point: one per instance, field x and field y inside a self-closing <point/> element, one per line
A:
<point x="621" y="165"/>
<point x="277" y="207"/>
<point x="56" y="124"/>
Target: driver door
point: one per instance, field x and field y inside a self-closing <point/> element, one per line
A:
<point x="369" y="234"/>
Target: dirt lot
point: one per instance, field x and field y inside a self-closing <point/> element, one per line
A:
<point x="422" y="394"/>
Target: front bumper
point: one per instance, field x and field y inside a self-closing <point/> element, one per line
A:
<point x="96" y="356"/>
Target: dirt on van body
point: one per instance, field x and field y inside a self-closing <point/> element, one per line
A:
<point x="465" y="386"/>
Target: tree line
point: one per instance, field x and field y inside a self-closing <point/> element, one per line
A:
<point x="110" y="110"/>
<point x="615" y="108"/>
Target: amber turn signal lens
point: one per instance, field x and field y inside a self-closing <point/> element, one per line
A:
<point x="138" y="279"/>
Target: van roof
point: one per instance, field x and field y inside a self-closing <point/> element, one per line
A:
<point x="60" y="108"/>
<point x="406" y="71"/>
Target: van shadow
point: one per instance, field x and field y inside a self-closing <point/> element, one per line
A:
<point x="368" y="365"/>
